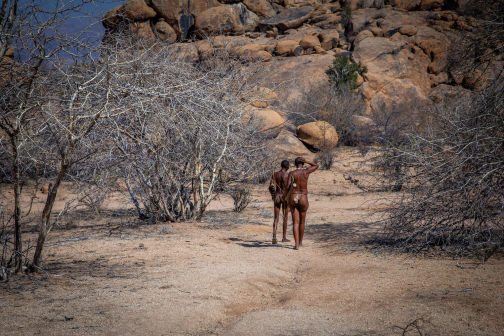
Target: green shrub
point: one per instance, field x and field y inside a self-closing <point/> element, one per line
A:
<point x="343" y="73"/>
<point x="346" y="16"/>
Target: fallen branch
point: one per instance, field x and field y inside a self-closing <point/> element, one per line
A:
<point x="463" y="290"/>
<point x="416" y="324"/>
<point x="465" y="267"/>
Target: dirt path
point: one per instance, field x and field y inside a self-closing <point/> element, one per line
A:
<point x="224" y="277"/>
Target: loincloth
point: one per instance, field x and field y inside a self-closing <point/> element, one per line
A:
<point x="297" y="198"/>
<point x="277" y="198"/>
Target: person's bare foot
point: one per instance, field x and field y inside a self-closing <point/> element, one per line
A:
<point x="274" y="241"/>
<point x="285" y="240"/>
<point x="296" y="247"/>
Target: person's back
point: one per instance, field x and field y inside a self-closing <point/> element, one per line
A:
<point x="300" y="177"/>
<point x="280" y="181"/>
<point x="297" y="199"/>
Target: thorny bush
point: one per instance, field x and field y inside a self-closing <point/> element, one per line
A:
<point x="183" y="135"/>
<point x="454" y="180"/>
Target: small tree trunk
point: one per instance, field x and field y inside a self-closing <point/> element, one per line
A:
<point x="141" y="215"/>
<point x="399" y="182"/>
<point x="18" y="243"/>
<point x="45" y="228"/>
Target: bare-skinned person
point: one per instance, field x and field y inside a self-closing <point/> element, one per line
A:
<point x="280" y="182"/>
<point x="297" y="199"/>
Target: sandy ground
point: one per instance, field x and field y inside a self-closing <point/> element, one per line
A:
<point x="110" y="275"/>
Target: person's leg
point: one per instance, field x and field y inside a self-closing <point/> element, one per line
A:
<point x="275" y="222"/>
<point x="302" y="217"/>
<point x="295" y="225"/>
<point x="285" y="210"/>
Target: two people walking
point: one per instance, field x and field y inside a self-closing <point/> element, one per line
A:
<point x="290" y="194"/>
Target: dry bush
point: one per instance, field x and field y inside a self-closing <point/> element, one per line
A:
<point x="475" y="56"/>
<point x="7" y="255"/>
<point x="453" y="174"/>
<point x="182" y="135"/>
<point x="241" y="196"/>
<point x="52" y="98"/>
<point x="325" y="157"/>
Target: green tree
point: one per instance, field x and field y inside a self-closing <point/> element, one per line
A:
<point x="343" y="73"/>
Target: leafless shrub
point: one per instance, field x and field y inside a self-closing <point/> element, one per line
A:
<point x="241" y="196"/>
<point x="94" y="193"/>
<point x="477" y="45"/>
<point x="325" y="157"/>
<point x="6" y="247"/>
<point x="453" y="180"/>
<point x="51" y="97"/>
<point x="182" y="135"/>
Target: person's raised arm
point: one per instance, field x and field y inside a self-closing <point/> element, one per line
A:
<point x="313" y="167"/>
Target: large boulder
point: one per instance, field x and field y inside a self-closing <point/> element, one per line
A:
<point x="404" y="4"/>
<point x="287" y="143"/>
<point x="361" y="19"/>
<point x="396" y="20"/>
<point x="431" y="4"/>
<point x="292" y="77"/>
<point x="401" y="100"/>
<point x="288" y="48"/>
<point x="362" y="35"/>
<point x="329" y="39"/>
<point x="298" y="34"/>
<point x="253" y="52"/>
<point x="435" y="50"/>
<point x="165" y="32"/>
<point x="332" y="21"/>
<point x="408" y="30"/>
<point x="387" y="60"/>
<point x="260" y="55"/>
<point x="113" y="17"/>
<point x="268" y="120"/>
<point x="427" y="33"/>
<point x="248" y="19"/>
<point x="371" y="48"/>
<point x="289" y="19"/>
<point x="180" y="14"/>
<point x="397" y="82"/>
<point x="318" y="134"/>
<point x="309" y="41"/>
<point x="262" y="97"/>
<point x="137" y="10"/>
<point x="216" y="20"/>
<point x="143" y="32"/>
<point x="262" y="8"/>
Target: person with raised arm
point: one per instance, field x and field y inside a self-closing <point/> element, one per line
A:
<point x="296" y="197"/>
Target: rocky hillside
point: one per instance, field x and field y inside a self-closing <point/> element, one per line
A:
<point x="404" y="44"/>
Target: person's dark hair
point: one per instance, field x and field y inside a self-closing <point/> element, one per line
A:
<point x="284" y="164"/>
<point x="298" y="161"/>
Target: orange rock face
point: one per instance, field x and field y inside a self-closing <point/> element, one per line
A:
<point x="215" y="20"/>
<point x="319" y="134"/>
<point x="165" y="32"/>
<point x="137" y="10"/>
